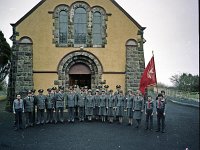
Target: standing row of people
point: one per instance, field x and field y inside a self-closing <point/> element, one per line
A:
<point x="101" y="105"/>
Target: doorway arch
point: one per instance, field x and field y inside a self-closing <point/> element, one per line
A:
<point x="75" y="59"/>
<point x="80" y="74"/>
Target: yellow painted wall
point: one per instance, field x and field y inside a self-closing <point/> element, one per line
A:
<point x="46" y="56"/>
<point x="44" y="81"/>
<point x="114" y="79"/>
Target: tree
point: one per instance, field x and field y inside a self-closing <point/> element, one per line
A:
<point x="186" y="82"/>
<point x="5" y="55"/>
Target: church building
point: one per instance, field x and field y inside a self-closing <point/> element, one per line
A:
<point x="67" y="42"/>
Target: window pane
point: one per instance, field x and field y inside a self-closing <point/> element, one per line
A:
<point x="63" y="27"/>
<point x="80" y="26"/>
<point x="97" y="28"/>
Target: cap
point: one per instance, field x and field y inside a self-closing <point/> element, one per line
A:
<point x="75" y="86"/>
<point x="29" y="91"/>
<point x="118" y="86"/>
<point x="61" y="88"/>
<point x="33" y="90"/>
<point x="85" y="87"/>
<point x="97" y="90"/>
<point x="103" y="90"/>
<point x="111" y="91"/>
<point x="89" y="90"/>
<point x="49" y="89"/>
<point x="129" y="90"/>
<point x="106" y="86"/>
<point x="40" y="90"/>
<point x="54" y="88"/>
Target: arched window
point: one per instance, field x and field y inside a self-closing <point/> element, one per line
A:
<point x="80" y="26"/>
<point x="97" y="28"/>
<point x="63" y="27"/>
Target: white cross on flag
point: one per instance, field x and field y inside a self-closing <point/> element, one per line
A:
<point x="149" y="76"/>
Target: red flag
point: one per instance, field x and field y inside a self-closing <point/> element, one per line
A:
<point x="148" y="77"/>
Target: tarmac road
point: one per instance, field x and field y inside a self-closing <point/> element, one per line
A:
<point x="182" y="131"/>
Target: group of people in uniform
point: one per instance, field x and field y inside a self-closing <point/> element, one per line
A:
<point x="99" y="104"/>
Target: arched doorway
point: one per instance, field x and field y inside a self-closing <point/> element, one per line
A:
<point x="80" y="74"/>
<point x="80" y="65"/>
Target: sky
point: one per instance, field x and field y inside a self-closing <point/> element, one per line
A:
<point x="172" y="31"/>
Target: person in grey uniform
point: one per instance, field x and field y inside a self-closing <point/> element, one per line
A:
<point x="18" y="109"/>
<point x="129" y="106"/>
<point x="70" y="104"/>
<point x="59" y="105"/>
<point x="138" y="106"/>
<point x="96" y="103"/>
<point x="160" y="111"/>
<point x="81" y="105"/>
<point x="35" y="100"/>
<point x="149" y="107"/>
<point x="103" y="106"/>
<point x="120" y="99"/>
<point x="116" y="93"/>
<point x="49" y="105"/>
<point x="40" y="103"/>
<point x="76" y="91"/>
<point x="28" y="108"/>
<point x="111" y="105"/>
<point x="89" y="105"/>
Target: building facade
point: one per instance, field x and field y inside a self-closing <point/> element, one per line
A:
<point x="67" y="42"/>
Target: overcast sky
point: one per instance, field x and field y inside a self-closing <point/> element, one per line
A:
<point x="172" y="31"/>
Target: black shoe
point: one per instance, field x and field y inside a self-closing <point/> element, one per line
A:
<point x="163" y="131"/>
<point x="157" y="130"/>
<point x="16" y="129"/>
<point x="137" y="127"/>
<point x="146" y="128"/>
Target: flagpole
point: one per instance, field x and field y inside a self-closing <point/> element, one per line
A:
<point x="155" y="72"/>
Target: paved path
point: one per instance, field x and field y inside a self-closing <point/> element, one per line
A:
<point x="182" y="131"/>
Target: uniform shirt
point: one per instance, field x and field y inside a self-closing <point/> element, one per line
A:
<point x="81" y="99"/>
<point x="18" y="104"/>
<point x="149" y="106"/>
<point x="103" y="101"/>
<point x="97" y="100"/>
<point x="59" y="100"/>
<point x="89" y="101"/>
<point x="129" y="101"/>
<point x="71" y="100"/>
<point x="120" y="99"/>
<point x="111" y="101"/>
<point x="29" y="103"/>
<point x="161" y="106"/>
<point x="50" y="101"/>
<point x="41" y="99"/>
<point x="138" y="103"/>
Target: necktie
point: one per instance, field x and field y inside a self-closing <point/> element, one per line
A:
<point x="148" y="104"/>
<point x="159" y="104"/>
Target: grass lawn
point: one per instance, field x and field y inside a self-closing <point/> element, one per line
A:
<point x="2" y="97"/>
